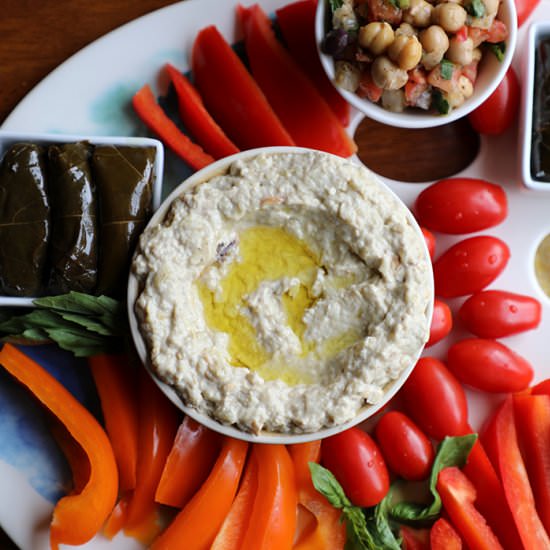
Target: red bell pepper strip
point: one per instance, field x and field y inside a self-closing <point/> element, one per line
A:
<point x="532" y="413"/>
<point x="232" y="96"/>
<point x="491" y="500"/>
<point x="197" y="524"/>
<point x="302" y="110"/>
<point x="197" y="119"/>
<point x="76" y="517"/>
<point x="458" y="496"/>
<point x="152" y="115"/>
<point x="500" y="440"/>
<point x="414" y="539"/>
<point x="297" y="23"/>
<point x="158" y="423"/>
<point x="191" y="459"/>
<point x="273" y="519"/>
<point x="542" y="388"/>
<point x="328" y="532"/>
<point x="232" y="532"/>
<point x="113" y="376"/>
<point x="444" y="537"/>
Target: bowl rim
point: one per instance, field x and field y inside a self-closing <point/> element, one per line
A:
<point x="366" y="411"/>
<point x="417" y="120"/>
<point x="536" y="31"/>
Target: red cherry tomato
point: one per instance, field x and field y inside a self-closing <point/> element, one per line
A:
<point x="489" y="366"/>
<point x="469" y="266"/>
<point x="461" y="205"/>
<point x="429" y="237"/>
<point x="497" y="113"/>
<point x="357" y="463"/>
<point x="497" y="313"/>
<point x="442" y="322"/>
<point x="407" y="451"/>
<point x="435" y="399"/>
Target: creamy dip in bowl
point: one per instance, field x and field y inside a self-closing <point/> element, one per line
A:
<point x="281" y="295"/>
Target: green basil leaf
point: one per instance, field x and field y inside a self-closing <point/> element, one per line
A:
<point x="452" y="451"/>
<point x="326" y="484"/>
<point x="381" y="526"/>
<point x="498" y="49"/>
<point x="446" y="68"/>
<point x="441" y="104"/>
<point x="476" y="8"/>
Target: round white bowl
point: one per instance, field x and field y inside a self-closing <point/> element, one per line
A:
<point x="491" y="72"/>
<point x="366" y="412"/>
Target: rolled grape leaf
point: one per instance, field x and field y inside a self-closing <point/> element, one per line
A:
<point x="24" y="220"/>
<point x="73" y="251"/>
<point x="124" y="178"/>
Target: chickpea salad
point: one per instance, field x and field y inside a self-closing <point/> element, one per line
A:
<point x="421" y="54"/>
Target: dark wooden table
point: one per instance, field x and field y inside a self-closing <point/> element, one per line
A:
<point x="37" y="35"/>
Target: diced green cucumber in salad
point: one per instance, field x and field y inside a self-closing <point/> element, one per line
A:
<point x="412" y="53"/>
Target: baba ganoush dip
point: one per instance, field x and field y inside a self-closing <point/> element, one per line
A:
<point x="284" y="294"/>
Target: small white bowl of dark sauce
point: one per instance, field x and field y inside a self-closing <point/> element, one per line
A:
<point x="535" y="109"/>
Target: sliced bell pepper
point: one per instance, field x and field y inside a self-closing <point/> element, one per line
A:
<point x="196" y="525"/>
<point x="414" y="539"/>
<point x="491" y="500"/>
<point x="501" y="442"/>
<point x="232" y="532"/>
<point x="328" y="532"/>
<point x="158" y="423"/>
<point x="116" y="521"/>
<point x="232" y="96"/>
<point x="273" y="520"/>
<point x="542" y="388"/>
<point x="197" y="119"/>
<point x="297" y="23"/>
<point x="191" y="459"/>
<point x="444" y="537"/>
<point x="532" y="413"/>
<point x="113" y="376"/>
<point x="76" y="517"/>
<point x="152" y="115"/>
<point x="300" y="107"/>
<point x="458" y="496"/>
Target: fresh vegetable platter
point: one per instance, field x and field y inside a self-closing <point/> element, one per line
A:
<point x="75" y="99"/>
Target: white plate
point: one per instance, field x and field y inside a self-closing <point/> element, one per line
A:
<point x="89" y="94"/>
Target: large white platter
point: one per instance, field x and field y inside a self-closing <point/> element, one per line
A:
<point x="90" y="94"/>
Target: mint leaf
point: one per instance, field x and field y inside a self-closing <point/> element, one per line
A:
<point x="440" y="103"/>
<point x="452" y="451"/>
<point x="498" y="49"/>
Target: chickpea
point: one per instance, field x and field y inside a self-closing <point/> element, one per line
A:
<point x="460" y="92"/>
<point x="387" y="75"/>
<point x="449" y="16"/>
<point x="405" y="29"/>
<point x="347" y="76"/>
<point x="376" y="37"/>
<point x="491" y="7"/>
<point x="461" y="52"/>
<point x="465" y="86"/>
<point x="435" y="42"/>
<point x="419" y="13"/>
<point x="394" y="100"/>
<point x="406" y="51"/>
<point x="477" y="55"/>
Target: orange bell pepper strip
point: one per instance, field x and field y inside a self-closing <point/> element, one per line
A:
<point x="233" y="529"/>
<point x="197" y="119"/>
<point x="113" y="376"/>
<point x="191" y="459"/>
<point x="77" y="517"/>
<point x="232" y="96"/>
<point x="532" y="413"/>
<point x="301" y="108"/>
<point x="273" y="520"/>
<point x="501" y="441"/>
<point x="152" y="115"/>
<point x="328" y="532"/>
<point x="116" y="521"/>
<point x="158" y="423"/>
<point x="297" y="23"/>
<point x="196" y="525"/>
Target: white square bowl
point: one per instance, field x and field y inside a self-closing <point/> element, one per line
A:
<point x="536" y="32"/>
<point x="7" y="139"/>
